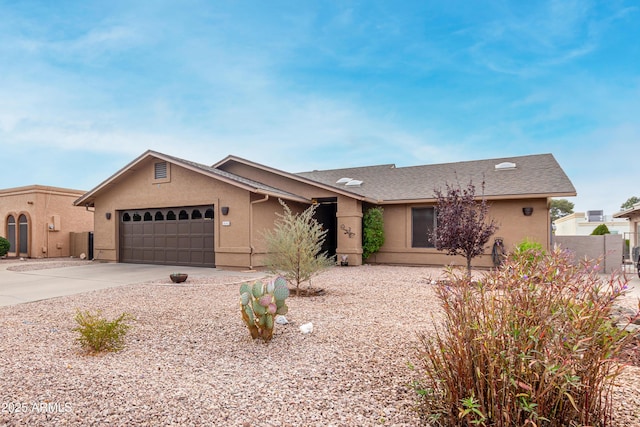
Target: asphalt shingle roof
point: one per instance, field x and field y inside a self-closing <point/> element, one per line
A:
<point x="237" y="178"/>
<point x="533" y="175"/>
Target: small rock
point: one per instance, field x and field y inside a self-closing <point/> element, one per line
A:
<point x="307" y="328"/>
<point x="281" y="320"/>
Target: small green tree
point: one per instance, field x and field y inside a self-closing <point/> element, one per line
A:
<point x="560" y="208"/>
<point x="601" y="230"/>
<point x="630" y="202"/>
<point x="373" y="231"/>
<point x="4" y="246"/>
<point x="294" y="245"/>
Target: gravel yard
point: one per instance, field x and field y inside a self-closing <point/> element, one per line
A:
<point x="189" y="359"/>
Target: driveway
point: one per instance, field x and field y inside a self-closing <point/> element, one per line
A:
<point x="18" y="287"/>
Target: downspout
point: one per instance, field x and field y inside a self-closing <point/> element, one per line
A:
<point x="266" y="197"/>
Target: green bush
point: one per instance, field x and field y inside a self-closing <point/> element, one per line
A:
<point x="98" y="334"/>
<point x="529" y="344"/>
<point x="373" y="231"/>
<point x="4" y="246"/>
<point x="529" y="251"/>
<point x="601" y="230"/>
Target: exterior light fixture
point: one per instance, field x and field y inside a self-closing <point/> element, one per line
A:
<point x="224" y="210"/>
<point x="107" y="215"/>
<point x="527" y="211"/>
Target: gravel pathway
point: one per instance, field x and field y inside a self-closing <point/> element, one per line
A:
<point x="189" y="359"/>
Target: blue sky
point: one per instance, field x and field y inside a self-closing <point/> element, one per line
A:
<point x="86" y="87"/>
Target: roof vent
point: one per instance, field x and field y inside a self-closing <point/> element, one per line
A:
<point x="343" y="180"/>
<point x="505" y="166"/>
<point x="354" y="183"/>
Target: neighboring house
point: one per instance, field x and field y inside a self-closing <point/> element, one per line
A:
<point x="583" y="224"/>
<point x="164" y="210"/>
<point x="633" y="215"/>
<point x="37" y="220"/>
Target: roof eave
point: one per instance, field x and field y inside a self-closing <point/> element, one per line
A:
<point x="493" y="197"/>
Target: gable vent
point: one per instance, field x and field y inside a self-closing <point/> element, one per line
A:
<point x="505" y="166"/>
<point x="160" y="171"/>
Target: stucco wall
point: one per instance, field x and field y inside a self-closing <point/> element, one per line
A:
<point x="608" y="248"/>
<point x="51" y="218"/>
<point x="513" y="227"/>
<point x="139" y="190"/>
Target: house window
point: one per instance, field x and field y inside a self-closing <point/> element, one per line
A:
<point x="171" y="216"/>
<point x="147" y="216"/>
<point x="11" y="233"/>
<point x="208" y="214"/>
<point x="159" y="216"/>
<point x="183" y="215"/>
<point x="137" y="217"/>
<point x="23" y="234"/>
<point x="126" y="217"/>
<point x="196" y="214"/>
<point x="160" y="170"/>
<point x="423" y="223"/>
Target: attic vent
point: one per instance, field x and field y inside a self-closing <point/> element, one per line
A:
<point x="343" y="180"/>
<point x="354" y="183"/>
<point x="505" y="166"/>
<point x="160" y="171"/>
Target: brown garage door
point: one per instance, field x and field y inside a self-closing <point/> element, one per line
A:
<point x="168" y="236"/>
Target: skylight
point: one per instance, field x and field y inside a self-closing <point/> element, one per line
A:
<point x="505" y="166"/>
<point x="343" y="180"/>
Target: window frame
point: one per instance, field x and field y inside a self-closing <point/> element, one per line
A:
<point x="428" y="242"/>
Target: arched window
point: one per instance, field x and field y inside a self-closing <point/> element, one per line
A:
<point x="159" y="216"/>
<point x="208" y="214"/>
<point x="196" y="214"/>
<point x="137" y="217"/>
<point x="11" y="233"/>
<point x="147" y="216"/>
<point x="126" y="217"/>
<point x="23" y="233"/>
<point x="183" y="215"/>
<point x="171" y="216"/>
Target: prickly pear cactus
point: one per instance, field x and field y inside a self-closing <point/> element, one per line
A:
<point x="260" y="303"/>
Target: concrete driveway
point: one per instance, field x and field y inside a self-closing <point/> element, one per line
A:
<point x="27" y="286"/>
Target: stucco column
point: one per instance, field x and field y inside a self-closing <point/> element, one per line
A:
<point x="349" y="220"/>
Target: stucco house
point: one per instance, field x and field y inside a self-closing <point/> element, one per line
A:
<point x="38" y="220"/>
<point x="583" y="224"/>
<point x="164" y="210"/>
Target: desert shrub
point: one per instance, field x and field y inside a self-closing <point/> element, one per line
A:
<point x="373" y="231"/>
<point x="529" y="344"/>
<point x="97" y="334"/>
<point x="4" y="246"/>
<point x="294" y="246"/>
<point x="600" y="230"/>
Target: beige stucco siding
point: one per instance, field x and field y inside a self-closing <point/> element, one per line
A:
<point x="51" y="218"/>
<point x="513" y="227"/>
<point x="185" y="188"/>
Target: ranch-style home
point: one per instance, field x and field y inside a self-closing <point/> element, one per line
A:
<point x="160" y="209"/>
<point x="39" y="220"/>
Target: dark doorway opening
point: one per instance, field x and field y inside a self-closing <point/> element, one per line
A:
<point x="326" y="215"/>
